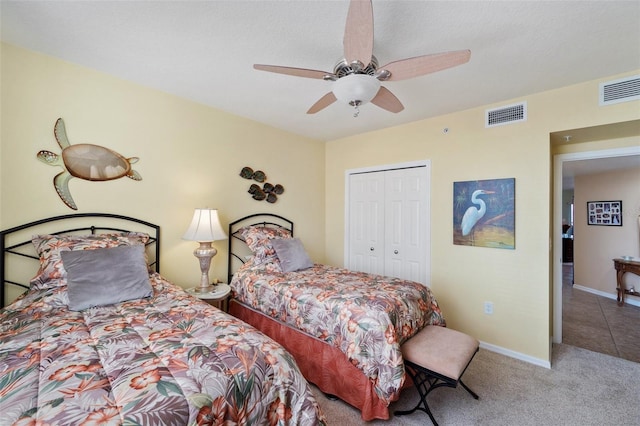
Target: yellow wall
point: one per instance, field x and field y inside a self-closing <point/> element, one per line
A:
<point x="463" y="278"/>
<point x="190" y="156"/>
<point x="600" y="145"/>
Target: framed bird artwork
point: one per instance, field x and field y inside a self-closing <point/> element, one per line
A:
<point x="484" y="213"/>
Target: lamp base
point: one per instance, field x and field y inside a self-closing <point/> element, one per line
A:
<point x="204" y="290"/>
<point x="204" y="253"/>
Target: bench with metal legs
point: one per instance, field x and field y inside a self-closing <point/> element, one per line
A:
<point x="437" y="357"/>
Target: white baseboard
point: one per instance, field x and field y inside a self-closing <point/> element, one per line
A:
<point x="631" y="300"/>
<point x="516" y="355"/>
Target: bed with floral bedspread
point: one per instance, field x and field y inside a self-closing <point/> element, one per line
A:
<point x="366" y="317"/>
<point x="165" y="359"/>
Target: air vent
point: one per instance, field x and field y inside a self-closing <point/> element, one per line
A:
<point x="622" y="90"/>
<point x="506" y="115"/>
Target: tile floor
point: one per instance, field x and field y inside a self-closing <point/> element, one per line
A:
<point x="598" y="324"/>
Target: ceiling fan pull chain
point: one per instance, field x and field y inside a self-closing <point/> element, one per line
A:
<point x="357" y="112"/>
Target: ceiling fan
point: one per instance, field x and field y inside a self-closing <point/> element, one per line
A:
<point x="357" y="76"/>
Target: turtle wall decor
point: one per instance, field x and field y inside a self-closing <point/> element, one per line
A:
<point x="267" y="192"/>
<point x="84" y="161"/>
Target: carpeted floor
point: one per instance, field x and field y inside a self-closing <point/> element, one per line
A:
<point x="581" y="388"/>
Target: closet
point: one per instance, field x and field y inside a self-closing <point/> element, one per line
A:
<point x="388" y="222"/>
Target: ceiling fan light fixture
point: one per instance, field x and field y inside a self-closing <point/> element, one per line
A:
<point x="356" y="77"/>
<point x="356" y="89"/>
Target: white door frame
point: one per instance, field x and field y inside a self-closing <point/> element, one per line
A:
<point x="380" y="168"/>
<point x="558" y="162"/>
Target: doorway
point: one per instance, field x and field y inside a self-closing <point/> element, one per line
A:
<point x="561" y="162"/>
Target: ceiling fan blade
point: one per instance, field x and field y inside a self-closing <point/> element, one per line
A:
<point x="427" y="64"/>
<point x="358" y="33"/>
<point x="387" y="100"/>
<point x="322" y="103"/>
<point x="298" y="72"/>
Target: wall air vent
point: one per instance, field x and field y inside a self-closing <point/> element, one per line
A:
<point x="622" y="90"/>
<point x="506" y="115"/>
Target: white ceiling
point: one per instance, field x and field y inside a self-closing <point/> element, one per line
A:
<point x="204" y="51"/>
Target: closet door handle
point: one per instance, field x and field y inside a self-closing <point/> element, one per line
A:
<point x="372" y="249"/>
<point x="395" y="252"/>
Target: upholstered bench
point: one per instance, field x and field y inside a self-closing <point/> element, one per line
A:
<point x="436" y="357"/>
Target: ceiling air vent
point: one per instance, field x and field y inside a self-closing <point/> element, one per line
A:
<point x="506" y="115"/>
<point x="622" y="90"/>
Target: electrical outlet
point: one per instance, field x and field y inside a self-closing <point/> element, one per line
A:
<point x="488" y="308"/>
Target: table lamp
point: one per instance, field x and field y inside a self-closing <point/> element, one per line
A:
<point x="205" y="228"/>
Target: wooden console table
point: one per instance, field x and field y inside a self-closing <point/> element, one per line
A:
<point x="623" y="266"/>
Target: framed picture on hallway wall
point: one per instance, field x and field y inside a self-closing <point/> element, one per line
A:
<point x="605" y="213"/>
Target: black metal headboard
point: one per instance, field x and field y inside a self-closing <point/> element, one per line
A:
<point x="257" y="219"/>
<point x="16" y="241"/>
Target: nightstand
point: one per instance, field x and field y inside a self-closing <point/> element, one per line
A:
<point x="218" y="297"/>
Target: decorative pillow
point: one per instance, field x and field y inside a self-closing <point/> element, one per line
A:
<point x="259" y="238"/>
<point x="291" y="254"/>
<point x="49" y="248"/>
<point x="106" y="276"/>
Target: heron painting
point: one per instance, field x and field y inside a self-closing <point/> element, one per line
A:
<point x="484" y="213"/>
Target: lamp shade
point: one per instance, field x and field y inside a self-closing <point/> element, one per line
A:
<point x="355" y="89"/>
<point x="205" y="226"/>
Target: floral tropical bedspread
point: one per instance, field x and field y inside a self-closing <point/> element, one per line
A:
<point x="165" y="360"/>
<point x="367" y="317"/>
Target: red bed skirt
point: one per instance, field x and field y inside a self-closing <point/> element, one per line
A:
<point x="321" y="364"/>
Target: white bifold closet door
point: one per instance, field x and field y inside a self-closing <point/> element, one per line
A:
<point x="388" y="222"/>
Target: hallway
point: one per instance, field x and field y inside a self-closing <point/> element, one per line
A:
<point x="597" y="323"/>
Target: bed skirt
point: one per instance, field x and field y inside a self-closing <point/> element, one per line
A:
<point x="323" y="365"/>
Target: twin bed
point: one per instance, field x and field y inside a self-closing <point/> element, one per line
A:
<point x="101" y="336"/>
<point x="344" y="328"/>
